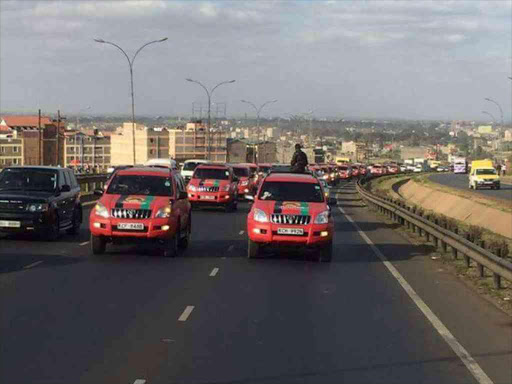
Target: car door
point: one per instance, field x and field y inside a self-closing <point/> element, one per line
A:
<point x="182" y="205"/>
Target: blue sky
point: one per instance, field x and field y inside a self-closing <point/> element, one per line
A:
<point x="405" y="59"/>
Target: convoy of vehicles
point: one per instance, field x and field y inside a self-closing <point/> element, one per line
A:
<point x="483" y="175"/>
<point x="39" y="200"/>
<point x="189" y="166"/>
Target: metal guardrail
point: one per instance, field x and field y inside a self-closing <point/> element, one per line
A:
<point x="441" y="236"/>
<point x="90" y="182"/>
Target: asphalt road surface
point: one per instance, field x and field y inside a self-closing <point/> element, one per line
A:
<point x="213" y="316"/>
<point x="460" y="181"/>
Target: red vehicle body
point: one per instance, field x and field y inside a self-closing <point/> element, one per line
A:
<point x="301" y="218"/>
<point x="362" y="170"/>
<point x="142" y="204"/>
<point x="393" y="169"/>
<point x="355" y="170"/>
<point x="345" y="172"/>
<point x="376" y="169"/>
<point x="213" y="185"/>
<point x="245" y="182"/>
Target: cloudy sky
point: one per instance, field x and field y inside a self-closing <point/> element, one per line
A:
<point x="406" y="59"/>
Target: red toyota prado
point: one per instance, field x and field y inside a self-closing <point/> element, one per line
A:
<point x="246" y="184"/>
<point x="214" y="185"/>
<point x="142" y="204"/>
<point x="291" y="209"/>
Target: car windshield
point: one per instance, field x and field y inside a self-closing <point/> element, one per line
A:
<point x="190" y="166"/>
<point x="485" y="171"/>
<point x="211" y="173"/>
<point x="241" y="172"/>
<point x="140" y="185"/>
<point x="291" y="191"/>
<point x="28" y="180"/>
<point x="264" y="169"/>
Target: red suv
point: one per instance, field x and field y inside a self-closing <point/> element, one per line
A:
<point x="245" y="182"/>
<point x="214" y="185"/>
<point x="291" y="210"/>
<point x="142" y="204"/>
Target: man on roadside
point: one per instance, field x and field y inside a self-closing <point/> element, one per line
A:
<point x="299" y="160"/>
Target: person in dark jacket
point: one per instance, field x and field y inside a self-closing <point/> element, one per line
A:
<point x="299" y="160"/>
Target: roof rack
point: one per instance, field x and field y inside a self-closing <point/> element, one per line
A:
<point x="289" y="171"/>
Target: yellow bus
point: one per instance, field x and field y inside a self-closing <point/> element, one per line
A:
<point x="342" y="160"/>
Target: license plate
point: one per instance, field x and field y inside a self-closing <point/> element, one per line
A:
<point x="290" y="231"/>
<point x="10" y="224"/>
<point x="207" y="197"/>
<point x="135" y="226"/>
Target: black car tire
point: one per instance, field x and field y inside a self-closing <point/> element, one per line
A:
<point x="172" y="245"/>
<point x="76" y="222"/>
<point x="98" y="245"/>
<point x="253" y="249"/>
<point x="326" y="253"/>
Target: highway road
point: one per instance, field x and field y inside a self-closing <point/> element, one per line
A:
<point x="381" y="312"/>
<point x="460" y="181"/>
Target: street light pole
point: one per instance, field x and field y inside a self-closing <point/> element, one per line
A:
<point x="490" y="114"/>
<point x="499" y="106"/>
<point x="258" y="112"/>
<point x="209" y="93"/>
<point x="130" y="64"/>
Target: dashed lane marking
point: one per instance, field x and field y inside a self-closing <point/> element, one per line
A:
<point x="33" y="264"/>
<point x="214" y="272"/>
<point x="241" y="232"/>
<point x="84" y="243"/>
<point x="470" y="363"/>
<point x="139" y="381"/>
<point x="230" y="248"/>
<point x="186" y="313"/>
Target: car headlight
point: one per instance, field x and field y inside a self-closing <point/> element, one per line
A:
<point x="192" y="188"/>
<point x="260" y="216"/>
<point x="163" y="212"/>
<point x="37" y="207"/>
<point x="226" y="188"/>
<point x="245" y="182"/>
<point x="322" y="218"/>
<point x="101" y="210"/>
<point x="326" y="177"/>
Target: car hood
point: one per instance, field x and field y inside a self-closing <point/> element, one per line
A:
<point x="488" y="177"/>
<point x="209" y="183"/>
<point x="134" y="201"/>
<point x="291" y="207"/>
<point x="25" y="196"/>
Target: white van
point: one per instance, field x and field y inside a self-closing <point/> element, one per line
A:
<point x="189" y="166"/>
<point x="170" y="163"/>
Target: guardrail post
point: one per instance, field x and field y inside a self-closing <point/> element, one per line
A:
<point x="436" y="241"/>
<point x="454" y="253"/>
<point x="443" y="245"/>
<point x="497" y="281"/>
<point x="408" y="225"/>
<point x="467" y="260"/>
<point x="420" y="231"/>
<point x="481" y="271"/>
<point x="427" y="235"/>
<point x="413" y="228"/>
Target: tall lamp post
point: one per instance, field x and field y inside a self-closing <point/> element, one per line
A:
<point x="209" y="93"/>
<point x="490" y="114"/>
<point x="499" y="106"/>
<point x="258" y="112"/>
<point x="130" y="64"/>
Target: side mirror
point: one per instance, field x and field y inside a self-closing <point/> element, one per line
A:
<point x="332" y="202"/>
<point x="182" y="195"/>
<point x="98" y="192"/>
<point x="249" y="197"/>
<point x="65" y="188"/>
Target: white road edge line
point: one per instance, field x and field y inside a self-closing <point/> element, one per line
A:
<point x="84" y="243"/>
<point x="470" y="363"/>
<point x="139" y="381"/>
<point x="241" y="232"/>
<point x="214" y="272"/>
<point x="186" y="313"/>
<point x="33" y="264"/>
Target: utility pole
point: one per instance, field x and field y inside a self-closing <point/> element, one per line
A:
<point x="40" y="141"/>
<point x="57" y="138"/>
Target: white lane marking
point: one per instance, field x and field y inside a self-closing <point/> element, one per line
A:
<point x="139" y="381"/>
<point x="186" y="313"/>
<point x="464" y="355"/>
<point x="230" y="248"/>
<point x="214" y="272"/>
<point x="33" y="264"/>
<point x="89" y="203"/>
<point x="241" y="233"/>
<point x="84" y="243"/>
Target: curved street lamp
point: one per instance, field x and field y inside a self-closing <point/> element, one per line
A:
<point x="490" y="114"/>
<point x="258" y="112"/>
<point x="209" y="93"/>
<point x="499" y="106"/>
<point x="130" y="64"/>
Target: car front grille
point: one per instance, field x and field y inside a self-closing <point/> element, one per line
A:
<point x="121" y="213"/>
<point x="278" y="218"/>
<point x="208" y="189"/>
<point x="12" y="207"/>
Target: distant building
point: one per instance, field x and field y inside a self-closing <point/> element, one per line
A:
<point x="242" y="151"/>
<point x="149" y="144"/>
<point x="508" y="135"/>
<point x="11" y="148"/>
<point x="485" y="129"/>
<point x="413" y="152"/>
<point x="90" y="151"/>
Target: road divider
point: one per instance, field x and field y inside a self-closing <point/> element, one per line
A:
<point x="33" y="264"/>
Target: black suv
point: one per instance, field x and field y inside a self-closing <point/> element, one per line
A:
<point x="43" y="200"/>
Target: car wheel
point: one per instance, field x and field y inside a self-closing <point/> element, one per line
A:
<point x="326" y="253"/>
<point x="172" y="245"/>
<point x="253" y="249"/>
<point x="98" y="245"/>
<point x="76" y="222"/>
<point x="183" y="243"/>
